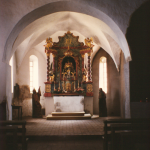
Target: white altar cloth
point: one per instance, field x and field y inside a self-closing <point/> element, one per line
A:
<point x="68" y="103"/>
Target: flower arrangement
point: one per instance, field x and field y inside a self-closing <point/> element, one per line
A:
<point x="79" y="90"/>
<point x="57" y="91"/>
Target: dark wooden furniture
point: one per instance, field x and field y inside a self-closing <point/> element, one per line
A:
<point x="8" y="130"/>
<point x="129" y="138"/>
<point x="108" y="125"/>
<point x="21" y="131"/>
<point x="19" y="110"/>
<point x="126" y="129"/>
<point x="3" y="110"/>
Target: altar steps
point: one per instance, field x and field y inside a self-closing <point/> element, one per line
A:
<point x="68" y="116"/>
<point x="68" y="113"/>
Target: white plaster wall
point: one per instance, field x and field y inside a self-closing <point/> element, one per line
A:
<point x="119" y="11"/>
<point x="23" y="78"/>
<point x="88" y="105"/>
<point x="49" y="105"/>
<point x="125" y="88"/>
<point x="12" y="11"/>
<point x="2" y="81"/>
<point x="14" y="72"/>
<point x="23" y="70"/>
<point x="113" y="85"/>
<point x="8" y="94"/>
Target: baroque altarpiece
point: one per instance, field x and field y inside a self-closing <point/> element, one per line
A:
<point x="67" y="74"/>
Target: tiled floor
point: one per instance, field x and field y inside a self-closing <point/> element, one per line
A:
<point x="64" y="127"/>
<point x="64" y="134"/>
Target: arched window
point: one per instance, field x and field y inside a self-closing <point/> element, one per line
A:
<point x="103" y="74"/>
<point x="33" y="64"/>
<point x="11" y="64"/>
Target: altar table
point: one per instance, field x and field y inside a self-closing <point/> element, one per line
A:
<point x="68" y="103"/>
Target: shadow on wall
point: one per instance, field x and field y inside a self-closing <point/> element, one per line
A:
<point x="138" y="37"/>
<point x="116" y="104"/>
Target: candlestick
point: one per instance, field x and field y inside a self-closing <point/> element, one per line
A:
<point x="54" y="85"/>
<point x="59" y="84"/>
<point x="78" y="83"/>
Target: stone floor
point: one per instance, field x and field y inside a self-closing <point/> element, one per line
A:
<point x="65" y="134"/>
<point x="45" y="127"/>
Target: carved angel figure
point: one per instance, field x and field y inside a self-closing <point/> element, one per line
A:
<point x="84" y="74"/>
<point x="49" y="42"/>
<point x="88" y="42"/>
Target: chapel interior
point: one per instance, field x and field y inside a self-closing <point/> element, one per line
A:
<point x="69" y="68"/>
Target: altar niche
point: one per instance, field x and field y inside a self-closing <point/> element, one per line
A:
<point x="67" y="74"/>
<point x="68" y="68"/>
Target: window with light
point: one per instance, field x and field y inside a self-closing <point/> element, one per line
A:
<point x="33" y="66"/>
<point x="103" y="74"/>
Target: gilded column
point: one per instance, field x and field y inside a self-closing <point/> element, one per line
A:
<point x="89" y="67"/>
<point x="48" y="65"/>
<point x="82" y="62"/>
<point x="54" y="65"/>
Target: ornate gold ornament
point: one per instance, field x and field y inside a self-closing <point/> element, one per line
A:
<point x="88" y="42"/>
<point x="68" y="42"/>
<point x="48" y="88"/>
<point x="68" y="52"/>
<point x="52" y="78"/>
<point x="49" y="43"/>
<point x="68" y="87"/>
<point x="89" y="88"/>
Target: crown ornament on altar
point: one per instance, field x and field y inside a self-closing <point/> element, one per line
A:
<point x="68" y="52"/>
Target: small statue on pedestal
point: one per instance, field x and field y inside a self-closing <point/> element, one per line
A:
<point x="49" y="43"/>
<point x="84" y="73"/>
<point x="102" y="103"/>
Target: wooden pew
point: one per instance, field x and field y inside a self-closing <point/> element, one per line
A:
<point x="107" y="127"/>
<point x="132" y="137"/>
<point x="21" y="130"/>
<point x="127" y="129"/>
<point x="8" y="130"/>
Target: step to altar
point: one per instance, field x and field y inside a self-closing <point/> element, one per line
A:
<point x="68" y="116"/>
<point x="68" y="113"/>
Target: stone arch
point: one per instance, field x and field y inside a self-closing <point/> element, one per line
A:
<point x="63" y="6"/>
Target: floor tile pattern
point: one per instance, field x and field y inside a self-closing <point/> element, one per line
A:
<point x="64" y="127"/>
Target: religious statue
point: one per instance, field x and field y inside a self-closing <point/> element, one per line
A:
<point x="36" y="113"/>
<point x="52" y="78"/>
<point x="102" y="103"/>
<point x="68" y="87"/>
<point x="84" y="73"/>
<point x="49" y="43"/>
<point x="68" y="68"/>
<point x="88" y="42"/>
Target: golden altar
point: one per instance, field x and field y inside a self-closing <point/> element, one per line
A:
<point x="67" y="74"/>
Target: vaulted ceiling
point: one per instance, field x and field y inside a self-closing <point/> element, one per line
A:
<point x="56" y="24"/>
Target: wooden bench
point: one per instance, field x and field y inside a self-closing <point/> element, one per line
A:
<point x="130" y="139"/>
<point x="126" y="129"/>
<point x="107" y="127"/>
<point x="3" y="139"/>
<point x="21" y="131"/>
